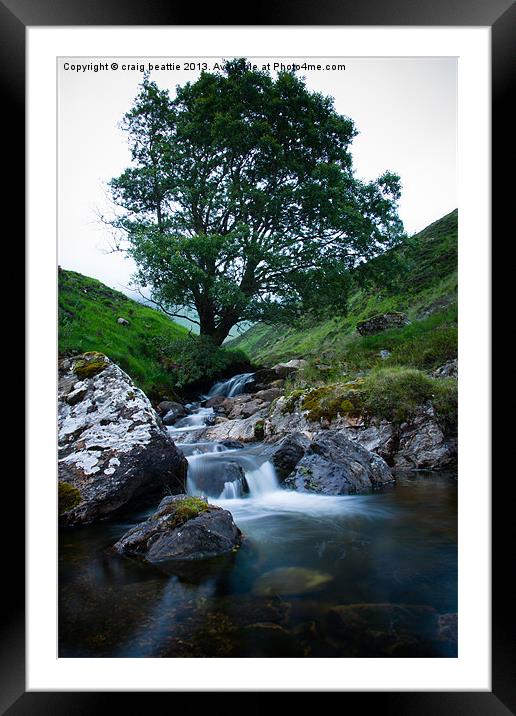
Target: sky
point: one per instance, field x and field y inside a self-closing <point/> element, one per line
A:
<point x="405" y="110"/>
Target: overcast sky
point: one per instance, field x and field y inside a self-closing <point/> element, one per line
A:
<point x="404" y="109"/>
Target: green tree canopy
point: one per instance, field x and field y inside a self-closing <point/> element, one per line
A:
<point x="241" y="202"/>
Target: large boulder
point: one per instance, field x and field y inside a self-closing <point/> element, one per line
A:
<point x="112" y="447"/>
<point x="182" y="529"/>
<point x="288" y="453"/>
<point x="334" y="465"/>
<point x="382" y="322"/>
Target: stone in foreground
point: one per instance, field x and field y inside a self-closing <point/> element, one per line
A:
<point x="334" y="465"/>
<point x="182" y="529"/>
<point x="112" y="448"/>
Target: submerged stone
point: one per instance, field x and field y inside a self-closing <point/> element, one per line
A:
<point x="291" y="580"/>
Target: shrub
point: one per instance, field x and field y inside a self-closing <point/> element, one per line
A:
<point x="197" y="359"/>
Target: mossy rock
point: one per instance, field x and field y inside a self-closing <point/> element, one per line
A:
<point x="90" y="364"/>
<point x="181" y="511"/>
<point x="68" y="496"/>
<point x="331" y="401"/>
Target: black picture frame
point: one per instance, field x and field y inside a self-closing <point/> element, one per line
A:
<point x="499" y="15"/>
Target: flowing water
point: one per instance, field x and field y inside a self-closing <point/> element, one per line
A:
<point x="361" y="575"/>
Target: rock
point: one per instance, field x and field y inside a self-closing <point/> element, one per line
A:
<point x="215" y="402"/>
<point x="174" y="414"/>
<point x="281" y="422"/>
<point x="448" y="370"/>
<point x="384" y="354"/>
<point x="422" y="443"/>
<point x="167" y="406"/>
<point x="334" y="465"/>
<point x="182" y="529"/>
<point x="290" y="580"/>
<point x="288" y="453"/>
<point x="243" y="407"/>
<point x="282" y="370"/>
<point x="323" y="367"/>
<point x="382" y="322"/>
<point x="242" y="430"/>
<point x="232" y="444"/>
<point x="211" y="482"/>
<point x="267" y="395"/>
<point x="112" y="447"/>
<point x="380" y="438"/>
<point x="122" y="321"/>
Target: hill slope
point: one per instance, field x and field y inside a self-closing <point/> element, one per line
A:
<point x="426" y="291"/>
<point x="88" y="315"/>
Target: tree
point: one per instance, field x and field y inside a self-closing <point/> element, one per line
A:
<point x="241" y="201"/>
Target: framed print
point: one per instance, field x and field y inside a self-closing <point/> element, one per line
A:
<point x="258" y="294"/>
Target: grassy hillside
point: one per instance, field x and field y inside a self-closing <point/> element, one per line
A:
<point x="159" y="355"/>
<point x="88" y="314"/>
<point x="426" y="291"/>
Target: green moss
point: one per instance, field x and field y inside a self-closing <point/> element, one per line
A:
<point x="88" y="368"/>
<point x="330" y="401"/>
<point x="68" y="496"/>
<point x="181" y="511"/>
<point x="259" y="430"/>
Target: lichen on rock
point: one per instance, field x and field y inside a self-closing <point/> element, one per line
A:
<point x="112" y="446"/>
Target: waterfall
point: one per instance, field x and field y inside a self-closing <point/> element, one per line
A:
<point x="232" y="387"/>
<point x="214" y="470"/>
<point x="262" y="480"/>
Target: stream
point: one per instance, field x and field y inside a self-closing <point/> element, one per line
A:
<point x="358" y="575"/>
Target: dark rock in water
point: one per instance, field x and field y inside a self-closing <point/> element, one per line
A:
<point x="382" y="322"/>
<point x="232" y="444"/>
<point x="288" y="453"/>
<point x="170" y="409"/>
<point x="183" y="528"/>
<point x="334" y="465"/>
<point x="112" y="448"/>
<point x="211" y="481"/>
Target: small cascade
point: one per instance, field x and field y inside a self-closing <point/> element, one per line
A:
<point x="214" y="470"/>
<point x="232" y="490"/>
<point x="231" y="387"/>
<point x="262" y="480"/>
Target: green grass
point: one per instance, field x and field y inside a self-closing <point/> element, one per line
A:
<point x="388" y="393"/>
<point x="159" y="355"/>
<point x="426" y="291"/>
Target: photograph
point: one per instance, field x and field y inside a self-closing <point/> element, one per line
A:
<point x="257" y="392"/>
